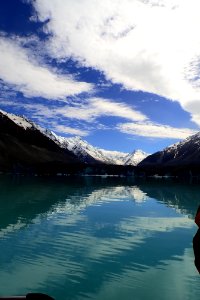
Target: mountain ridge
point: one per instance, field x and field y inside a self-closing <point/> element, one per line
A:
<point x="84" y="150"/>
<point x="24" y="144"/>
<point x="184" y="155"/>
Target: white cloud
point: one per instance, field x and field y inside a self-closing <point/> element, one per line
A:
<point x="98" y="107"/>
<point x="149" y="129"/>
<point x="92" y="110"/>
<point x="19" y="69"/>
<point x="70" y="130"/>
<point x="145" y="45"/>
<point x="88" y="110"/>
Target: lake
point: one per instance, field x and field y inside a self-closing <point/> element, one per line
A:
<point x="98" y="238"/>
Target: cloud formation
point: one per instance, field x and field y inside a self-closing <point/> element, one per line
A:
<point x="93" y="109"/>
<point x="70" y="130"/>
<point x="20" y="70"/>
<point x="149" y="45"/>
<point x="99" y="107"/>
<point x="154" y="130"/>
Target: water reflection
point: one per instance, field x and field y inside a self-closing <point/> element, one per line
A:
<point x="27" y="198"/>
<point x="100" y="239"/>
<point x="183" y="197"/>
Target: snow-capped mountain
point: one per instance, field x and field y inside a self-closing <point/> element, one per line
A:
<point x="28" y="143"/>
<point x="88" y="153"/>
<point x="18" y="120"/>
<point x="182" y="153"/>
<point x="135" y="157"/>
<point x="24" y="146"/>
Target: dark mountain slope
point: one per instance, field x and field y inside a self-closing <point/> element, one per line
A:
<point x="23" y="147"/>
<point x="184" y="156"/>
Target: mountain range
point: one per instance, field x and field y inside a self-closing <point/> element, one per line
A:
<point x="90" y="154"/>
<point x="25" y="146"/>
<point x="178" y="158"/>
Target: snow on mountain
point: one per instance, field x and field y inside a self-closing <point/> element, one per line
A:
<point x="25" y="147"/>
<point x="184" y="152"/>
<point x="27" y="124"/>
<point x="82" y="149"/>
<point x="88" y="153"/>
<point x="190" y="141"/>
<point x="59" y="140"/>
<point x="135" y="157"/>
<point x="20" y="121"/>
<point x="116" y="157"/>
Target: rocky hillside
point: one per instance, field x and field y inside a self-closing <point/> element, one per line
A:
<point x="183" y="155"/>
<point x="25" y="147"/>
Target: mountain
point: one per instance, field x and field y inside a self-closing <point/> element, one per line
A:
<point x="135" y="157"/>
<point x="24" y="146"/>
<point x="182" y="155"/>
<point x="90" y="154"/>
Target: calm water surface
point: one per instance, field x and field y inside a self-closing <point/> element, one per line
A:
<point x="102" y="239"/>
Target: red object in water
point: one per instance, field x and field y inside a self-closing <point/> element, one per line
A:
<point x="197" y="217"/>
<point x="196" y="241"/>
<point x="196" y="248"/>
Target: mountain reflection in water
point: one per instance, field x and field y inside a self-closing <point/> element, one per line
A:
<point x="97" y="238"/>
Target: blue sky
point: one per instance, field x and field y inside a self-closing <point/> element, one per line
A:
<point x="123" y="75"/>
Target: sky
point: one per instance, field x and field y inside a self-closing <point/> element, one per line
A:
<point x="122" y="75"/>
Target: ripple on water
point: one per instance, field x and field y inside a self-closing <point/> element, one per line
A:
<point x="111" y="242"/>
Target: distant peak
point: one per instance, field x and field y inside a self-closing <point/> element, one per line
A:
<point x="80" y="147"/>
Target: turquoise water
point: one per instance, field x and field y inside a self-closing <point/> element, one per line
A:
<point x="98" y="238"/>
